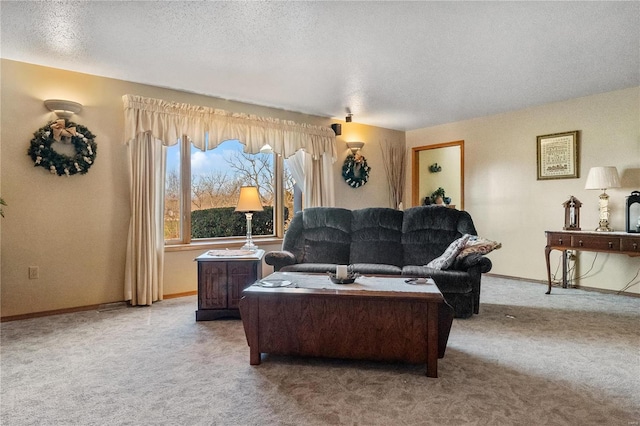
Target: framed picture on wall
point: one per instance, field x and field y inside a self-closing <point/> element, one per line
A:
<point x="558" y="156"/>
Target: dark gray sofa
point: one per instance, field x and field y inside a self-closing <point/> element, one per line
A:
<point x="385" y="241"/>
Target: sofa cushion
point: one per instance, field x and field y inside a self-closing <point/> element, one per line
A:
<point x="446" y="259"/>
<point x="376" y="236"/>
<point x="310" y="268"/>
<point x="376" y="269"/>
<point x="320" y="235"/>
<point x="426" y="234"/>
<point x="326" y="252"/>
<point x="326" y="219"/>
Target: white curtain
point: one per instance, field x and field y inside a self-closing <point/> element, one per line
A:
<point x="151" y="124"/>
<point x="145" y="244"/>
<point x="314" y="178"/>
<point x="295" y="164"/>
<point x="318" y="182"/>
<point x="208" y="127"/>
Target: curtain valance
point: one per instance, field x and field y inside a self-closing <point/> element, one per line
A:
<point x="208" y="127"/>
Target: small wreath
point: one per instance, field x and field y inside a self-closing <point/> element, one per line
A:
<point x="63" y="131"/>
<point x="355" y="170"/>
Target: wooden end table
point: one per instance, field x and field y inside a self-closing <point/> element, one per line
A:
<point x="222" y="275"/>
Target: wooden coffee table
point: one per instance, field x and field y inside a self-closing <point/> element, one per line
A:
<point x="376" y="318"/>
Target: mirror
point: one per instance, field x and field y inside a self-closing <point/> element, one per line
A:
<point x="438" y="166"/>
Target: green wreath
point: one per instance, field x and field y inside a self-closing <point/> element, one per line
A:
<point x="355" y="170"/>
<point x="64" y="131"/>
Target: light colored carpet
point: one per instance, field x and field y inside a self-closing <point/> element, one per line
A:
<point x="571" y="358"/>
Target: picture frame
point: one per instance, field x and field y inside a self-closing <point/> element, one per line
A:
<point x="558" y="156"/>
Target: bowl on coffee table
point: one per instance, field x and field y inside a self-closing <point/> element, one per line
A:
<point x="349" y="279"/>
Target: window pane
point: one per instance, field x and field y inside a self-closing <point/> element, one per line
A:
<point x="172" y="194"/>
<point x="216" y="178"/>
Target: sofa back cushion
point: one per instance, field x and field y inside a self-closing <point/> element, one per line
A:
<point x="320" y="235"/>
<point x="376" y="236"/>
<point x="427" y="231"/>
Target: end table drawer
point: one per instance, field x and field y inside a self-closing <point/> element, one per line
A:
<point x="597" y="243"/>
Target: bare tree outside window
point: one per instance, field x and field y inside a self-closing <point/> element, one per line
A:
<point x="216" y="178"/>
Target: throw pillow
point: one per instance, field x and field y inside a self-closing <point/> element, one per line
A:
<point x="480" y="245"/>
<point x="446" y="259"/>
<point x="326" y="252"/>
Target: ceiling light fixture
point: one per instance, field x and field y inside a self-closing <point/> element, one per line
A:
<point x="63" y="108"/>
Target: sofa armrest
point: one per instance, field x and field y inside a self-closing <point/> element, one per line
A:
<point x="474" y="259"/>
<point x="279" y="259"/>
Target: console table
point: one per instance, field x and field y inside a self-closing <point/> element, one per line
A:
<point x="222" y="275"/>
<point x="605" y="242"/>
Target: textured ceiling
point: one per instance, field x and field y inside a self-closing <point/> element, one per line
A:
<point x="399" y="65"/>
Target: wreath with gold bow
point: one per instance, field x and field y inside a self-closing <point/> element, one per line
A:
<point x="66" y="132"/>
<point x="355" y="170"/>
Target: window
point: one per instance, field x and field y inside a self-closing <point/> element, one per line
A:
<point x="202" y="189"/>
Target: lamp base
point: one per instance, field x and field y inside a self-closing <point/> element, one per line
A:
<point x="604" y="213"/>
<point x="604" y="227"/>
<point x="249" y="246"/>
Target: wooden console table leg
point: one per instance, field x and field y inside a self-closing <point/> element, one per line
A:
<point x="547" y="251"/>
<point x="564" y="269"/>
<point x="432" y="340"/>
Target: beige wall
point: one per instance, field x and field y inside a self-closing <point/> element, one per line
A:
<point x="509" y="205"/>
<point x="376" y="191"/>
<point x="74" y="228"/>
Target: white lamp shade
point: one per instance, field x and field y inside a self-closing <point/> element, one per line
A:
<point x="602" y="178"/>
<point x="249" y="200"/>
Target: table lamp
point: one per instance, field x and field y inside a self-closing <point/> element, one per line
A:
<point x="603" y="178"/>
<point x="249" y="203"/>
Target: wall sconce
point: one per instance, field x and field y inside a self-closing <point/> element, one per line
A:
<point x="348" y="118"/>
<point x="355" y="146"/>
<point x="62" y="108"/>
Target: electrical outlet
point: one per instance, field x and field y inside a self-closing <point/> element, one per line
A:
<point x="571" y="255"/>
<point x="34" y="272"/>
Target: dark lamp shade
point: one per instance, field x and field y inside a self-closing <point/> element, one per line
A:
<point x="249" y="200"/>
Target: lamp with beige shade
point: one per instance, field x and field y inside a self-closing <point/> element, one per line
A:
<point x="603" y="178"/>
<point x="249" y="203"/>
